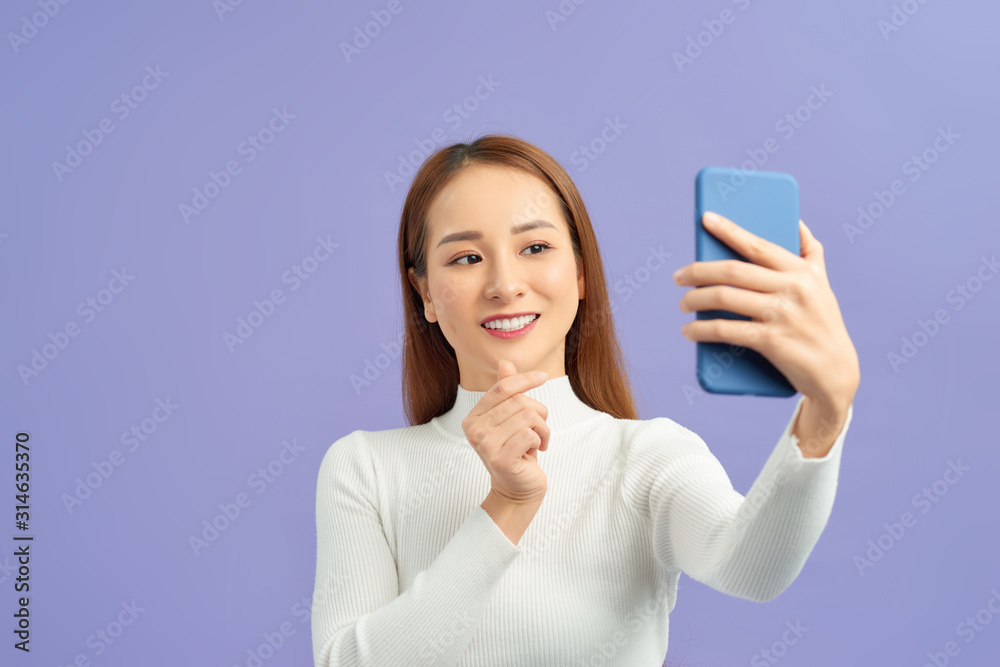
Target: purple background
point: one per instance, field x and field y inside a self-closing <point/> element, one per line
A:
<point x="324" y="175"/>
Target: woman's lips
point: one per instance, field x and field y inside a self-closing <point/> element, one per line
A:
<point x="499" y="333"/>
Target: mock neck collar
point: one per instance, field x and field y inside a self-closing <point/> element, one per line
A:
<point x="565" y="407"/>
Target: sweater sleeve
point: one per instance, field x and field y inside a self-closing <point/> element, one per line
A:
<point x="358" y="616"/>
<point x="751" y="547"/>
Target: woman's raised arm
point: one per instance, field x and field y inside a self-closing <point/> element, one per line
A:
<point x="751" y="547"/>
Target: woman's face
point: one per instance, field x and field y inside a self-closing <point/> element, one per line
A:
<point x="486" y="256"/>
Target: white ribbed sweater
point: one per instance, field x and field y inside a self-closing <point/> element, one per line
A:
<point x="411" y="570"/>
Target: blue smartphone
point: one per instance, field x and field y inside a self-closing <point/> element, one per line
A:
<point x="765" y="204"/>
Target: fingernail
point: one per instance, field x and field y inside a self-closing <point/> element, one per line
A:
<point x="710" y="218"/>
<point x="680" y="274"/>
<point x="541" y="375"/>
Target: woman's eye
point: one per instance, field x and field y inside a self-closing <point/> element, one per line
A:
<point x="533" y="245"/>
<point x="538" y="245"/>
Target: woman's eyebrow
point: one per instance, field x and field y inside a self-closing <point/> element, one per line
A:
<point x="476" y="236"/>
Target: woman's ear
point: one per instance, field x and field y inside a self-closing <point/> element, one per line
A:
<point x="420" y="285"/>
<point x="580" y="286"/>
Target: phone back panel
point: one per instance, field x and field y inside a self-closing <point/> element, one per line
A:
<point x="766" y="204"/>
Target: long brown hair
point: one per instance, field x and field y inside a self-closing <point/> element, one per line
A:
<point x="594" y="360"/>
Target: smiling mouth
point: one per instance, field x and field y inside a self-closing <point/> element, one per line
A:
<point x="516" y="324"/>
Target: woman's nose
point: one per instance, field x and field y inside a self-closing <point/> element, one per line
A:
<point x="505" y="280"/>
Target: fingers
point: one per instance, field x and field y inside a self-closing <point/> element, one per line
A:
<point x="505" y="369"/>
<point x="506" y="411"/>
<point x="755" y="335"/>
<point x="502" y="412"/>
<point x="505" y="388"/>
<point x="733" y="272"/>
<point x="523" y="431"/>
<point x="759" y="306"/>
<point x="810" y="248"/>
<point x="522" y="407"/>
<point x="755" y="248"/>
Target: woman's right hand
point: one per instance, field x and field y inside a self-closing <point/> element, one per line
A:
<point x="507" y="429"/>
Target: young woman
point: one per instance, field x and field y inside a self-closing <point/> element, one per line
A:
<point x="526" y="519"/>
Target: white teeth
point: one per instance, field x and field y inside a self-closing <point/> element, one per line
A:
<point x="510" y="324"/>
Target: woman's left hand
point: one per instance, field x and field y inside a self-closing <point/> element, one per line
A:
<point x="796" y="321"/>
